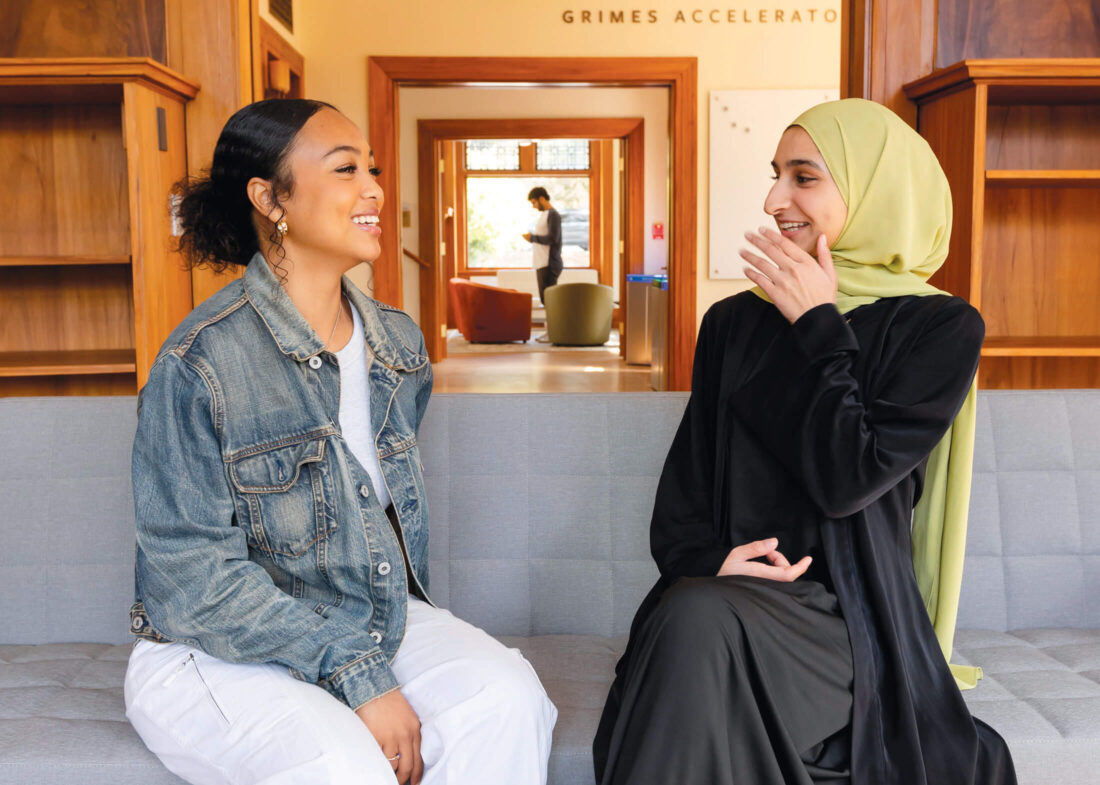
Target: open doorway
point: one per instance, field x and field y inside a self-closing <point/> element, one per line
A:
<point x="677" y="76"/>
<point x="474" y="179"/>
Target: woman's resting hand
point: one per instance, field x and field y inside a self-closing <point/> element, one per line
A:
<point x="739" y="562"/>
<point x="794" y="280"/>
<point x="396" y="728"/>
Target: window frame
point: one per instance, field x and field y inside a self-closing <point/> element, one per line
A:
<point x="527" y="160"/>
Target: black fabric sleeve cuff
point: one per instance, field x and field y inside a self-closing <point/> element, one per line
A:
<point x="822" y="332"/>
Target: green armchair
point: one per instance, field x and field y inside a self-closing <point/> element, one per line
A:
<point x="579" y="314"/>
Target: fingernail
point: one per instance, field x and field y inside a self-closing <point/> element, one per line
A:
<point x="748" y="235"/>
<point x="763" y="230"/>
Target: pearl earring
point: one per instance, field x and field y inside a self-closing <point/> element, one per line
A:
<point x="281" y="227"/>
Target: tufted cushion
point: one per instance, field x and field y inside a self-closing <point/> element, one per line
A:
<point x="1033" y="546"/>
<point x="1041" y="690"/>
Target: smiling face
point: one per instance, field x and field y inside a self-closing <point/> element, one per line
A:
<point x="804" y="201"/>
<point x="332" y="211"/>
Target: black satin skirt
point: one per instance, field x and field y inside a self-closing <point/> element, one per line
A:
<point x="732" y="680"/>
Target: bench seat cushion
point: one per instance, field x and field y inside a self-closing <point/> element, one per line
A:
<point x="62" y="718"/>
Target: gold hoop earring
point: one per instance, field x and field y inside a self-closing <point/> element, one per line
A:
<point x="281" y="227"/>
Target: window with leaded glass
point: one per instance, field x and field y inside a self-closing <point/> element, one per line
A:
<point x="561" y="155"/>
<point x="492" y="155"/>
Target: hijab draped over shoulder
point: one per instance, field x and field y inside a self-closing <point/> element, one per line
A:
<point x="895" y="237"/>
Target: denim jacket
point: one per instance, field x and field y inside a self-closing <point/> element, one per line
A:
<point x="259" y="535"/>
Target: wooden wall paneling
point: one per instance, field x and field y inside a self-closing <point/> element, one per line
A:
<point x="162" y="284"/>
<point x="211" y="41"/>
<point x="1040" y="276"/>
<point x="1043" y="137"/>
<point x="65" y="190"/>
<point x="955" y="129"/>
<point x="884" y="44"/>
<point x="90" y="200"/>
<point x="50" y="309"/>
<point x="970" y="29"/>
<point x="678" y="74"/>
<point x="1031" y="373"/>
<point x="78" y="28"/>
<point x="98" y="384"/>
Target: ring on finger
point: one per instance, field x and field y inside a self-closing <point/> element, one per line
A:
<point x="395" y="758"/>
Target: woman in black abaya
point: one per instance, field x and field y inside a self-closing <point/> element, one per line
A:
<point x="825" y="405"/>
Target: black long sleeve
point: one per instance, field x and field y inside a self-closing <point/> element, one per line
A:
<point x="553" y="231"/>
<point x="849" y="445"/>
<point x="684" y="538"/>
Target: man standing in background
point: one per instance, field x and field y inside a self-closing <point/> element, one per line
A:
<point x="546" y="240"/>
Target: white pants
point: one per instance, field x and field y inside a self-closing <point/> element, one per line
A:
<point x="484" y="715"/>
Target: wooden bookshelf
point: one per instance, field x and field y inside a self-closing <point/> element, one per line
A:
<point x="89" y="287"/>
<point x="62" y="363"/>
<point x="1018" y="142"/>
<point x="60" y="261"/>
<point x="1022" y="178"/>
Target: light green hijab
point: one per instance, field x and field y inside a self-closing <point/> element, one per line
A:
<point x="895" y="237"/>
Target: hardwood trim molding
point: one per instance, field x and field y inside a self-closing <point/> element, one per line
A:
<point x="678" y="74"/>
<point x="96" y="70"/>
<point x="432" y="136"/>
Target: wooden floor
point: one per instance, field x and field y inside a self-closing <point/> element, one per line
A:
<point x="598" y="370"/>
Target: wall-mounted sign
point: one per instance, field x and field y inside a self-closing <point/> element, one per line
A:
<point x="745" y="126"/>
<point x="700" y="16"/>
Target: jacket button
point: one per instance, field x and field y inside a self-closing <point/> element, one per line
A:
<point x="364" y="491"/>
<point x="376" y="637"/>
<point x="315" y="362"/>
<point x="384" y="568"/>
<point x="137" y="624"/>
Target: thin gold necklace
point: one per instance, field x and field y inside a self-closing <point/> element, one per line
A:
<point x="339" y="310"/>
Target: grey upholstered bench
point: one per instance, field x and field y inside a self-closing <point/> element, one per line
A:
<point x="540" y="508"/>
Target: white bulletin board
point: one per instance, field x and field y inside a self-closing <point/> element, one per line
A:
<point x="745" y="126"/>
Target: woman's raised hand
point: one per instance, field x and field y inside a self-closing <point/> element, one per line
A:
<point x="396" y="728"/>
<point x="793" y="279"/>
<point x="739" y="562"/>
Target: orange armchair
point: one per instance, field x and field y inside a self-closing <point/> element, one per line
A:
<point x="487" y="314"/>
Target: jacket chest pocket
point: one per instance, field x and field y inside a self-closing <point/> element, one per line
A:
<point x="282" y="497"/>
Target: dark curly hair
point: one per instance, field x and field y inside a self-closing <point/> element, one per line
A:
<point x="214" y="211"/>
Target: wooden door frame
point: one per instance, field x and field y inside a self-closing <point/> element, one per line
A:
<point x="432" y="133"/>
<point x="385" y="75"/>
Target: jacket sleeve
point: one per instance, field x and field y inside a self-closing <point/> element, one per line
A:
<point x="553" y="230"/>
<point x="193" y="571"/>
<point x="425" y="378"/>
<point x="849" y="447"/>
<point x="683" y="533"/>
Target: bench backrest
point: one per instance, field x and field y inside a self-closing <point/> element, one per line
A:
<point x="540" y="510"/>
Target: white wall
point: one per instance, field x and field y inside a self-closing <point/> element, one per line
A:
<point x="440" y="103"/>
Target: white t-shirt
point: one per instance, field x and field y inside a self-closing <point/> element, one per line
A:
<point x="540" y="253"/>
<point x="355" y="408"/>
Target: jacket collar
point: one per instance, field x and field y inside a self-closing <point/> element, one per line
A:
<point x="296" y="338"/>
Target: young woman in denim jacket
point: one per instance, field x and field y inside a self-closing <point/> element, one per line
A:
<point x="285" y="629"/>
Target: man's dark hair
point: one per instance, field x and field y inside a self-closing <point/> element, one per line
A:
<point x="538" y="191"/>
